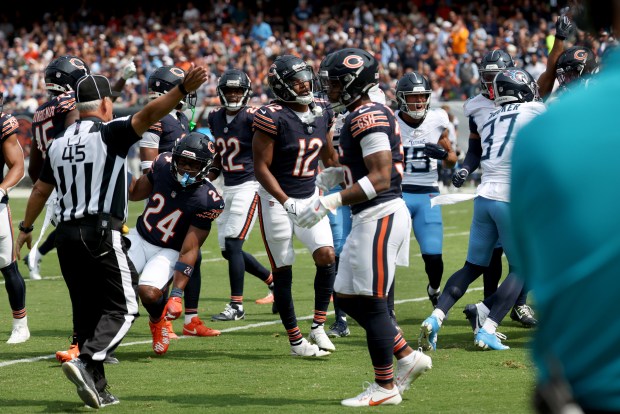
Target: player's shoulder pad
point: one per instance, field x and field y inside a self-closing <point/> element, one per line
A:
<point x="266" y="119"/>
<point x="441" y="116"/>
<point x="477" y="103"/>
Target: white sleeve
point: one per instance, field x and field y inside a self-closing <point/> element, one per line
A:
<point x="375" y="142"/>
<point x="149" y="140"/>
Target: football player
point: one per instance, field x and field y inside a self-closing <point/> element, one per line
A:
<point x="426" y="141"/>
<point x="168" y="235"/>
<point x="161" y="137"/>
<point x="290" y="135"/>
<point x="12" y="155"/>
<point x="575" y="67"/>
<point x="517" y="101"/>
<point x="231" y="126"/>
<point x="477" y="109"/>
<point x="370" y="152"/>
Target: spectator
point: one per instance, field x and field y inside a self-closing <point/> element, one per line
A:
<point x="261" y="30"/>
<point x="467" y="73"/>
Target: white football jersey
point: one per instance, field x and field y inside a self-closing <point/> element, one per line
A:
<point x="497" y="134"/>
<point x="419" y="169"/>
<point x="478" y="107"/>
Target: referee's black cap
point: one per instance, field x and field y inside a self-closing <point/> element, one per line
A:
<point x="92" y="88"/>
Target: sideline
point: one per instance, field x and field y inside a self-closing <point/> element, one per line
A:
<point x="233" y="329"/>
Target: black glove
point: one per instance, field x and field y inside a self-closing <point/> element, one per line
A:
<point x="4" y="197"/>
<point x="435" y="151"/>
<point x="563" y="27"/>
<point x="459" y="177"/>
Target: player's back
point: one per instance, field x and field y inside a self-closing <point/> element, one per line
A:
<point x="49" y="119"/>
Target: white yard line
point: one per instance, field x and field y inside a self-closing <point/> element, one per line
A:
<point x="233" y="329"/>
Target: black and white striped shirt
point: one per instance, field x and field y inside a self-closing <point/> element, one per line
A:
<point x="88" y="167"/>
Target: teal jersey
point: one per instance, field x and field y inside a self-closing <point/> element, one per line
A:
<point x="566" y="229"/>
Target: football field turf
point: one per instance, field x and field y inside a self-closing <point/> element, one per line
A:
<point x="248" y="368"/>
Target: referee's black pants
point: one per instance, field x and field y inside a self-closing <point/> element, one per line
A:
<point x="102" y="284"/>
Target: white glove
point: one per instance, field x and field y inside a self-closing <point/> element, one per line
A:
<point x="129" y="71"/>
<point x="291" y="208"/>
<point x="318" y="208"/>
<point x="329" y="177"/>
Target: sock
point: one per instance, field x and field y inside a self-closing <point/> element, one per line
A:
<point x="399" y="343"/>
<point x="490" y="326"/>
<point x="432" y="291"/>
<point x="505" y="297"/>
<point x="253" y="267"/>
<point x="433" y="265"/>
<point x="493" y="273"/>
<point x="457" y="284"/>
<point x="269" y="281"/>
<point x="522" y="298"/>
<point x="191" y="295"/>
<point x="48" y="244"/>
<point x="294" y="336"/>
<point x="15" y="288"/>
<point x="439" y="314"/>
<point x="323" y="289"/>
<point x="283" y="281"/>
<point x="236" y="268"/>
<point x="340" y="315"/>
<point x="380" y="336"/>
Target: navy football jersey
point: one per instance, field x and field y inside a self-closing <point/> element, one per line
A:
<point x="366" y="119"/>
<point x="9" y="126"/>
<point x="48" y="120"/>
<point x="296" y="148"/>
<point x="171" y="208"/>
<point x="169" y="129"/>
<point x="234" y="144"/>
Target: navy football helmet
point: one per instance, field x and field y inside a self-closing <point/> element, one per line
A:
<point x="284" y="73"/>
<point x="575" y="65"/>
<point x="62" y="74"/>
<point x="492" y="63"/>
<point x="350" y="73"/>
<point x="413" y="83"/>
<point x="164" y="79"/>
<point x="234" y="79"/>
<point x="515" y="85"/>
<point x="194" y="150"/>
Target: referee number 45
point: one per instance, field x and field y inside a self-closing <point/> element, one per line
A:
<point x="74" y="153"/>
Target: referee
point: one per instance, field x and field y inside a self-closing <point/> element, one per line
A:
<point x="87" y="165"/>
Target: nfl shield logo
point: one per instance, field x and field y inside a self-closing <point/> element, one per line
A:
<point x="173" y="194"/>
<point x="271" y="204"/>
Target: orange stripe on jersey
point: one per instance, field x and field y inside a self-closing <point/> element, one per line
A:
<point x="371" y="114"/>
<point x="9" y="126"/>
<point x="262" y="232"/>
<point x="378" y="124"/>
<point x="249" y="217"/>
<point x="156" y="127"/>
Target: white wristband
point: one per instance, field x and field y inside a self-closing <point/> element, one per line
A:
<point x="367" y="187"/>
<point x="2" y="192"/>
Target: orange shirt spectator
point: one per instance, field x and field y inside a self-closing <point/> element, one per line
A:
<point x="459" y="38"/>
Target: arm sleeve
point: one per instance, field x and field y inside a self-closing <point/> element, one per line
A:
<point x="472" y="158"/>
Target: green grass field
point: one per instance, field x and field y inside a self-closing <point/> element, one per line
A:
<point x="248" y="368"/>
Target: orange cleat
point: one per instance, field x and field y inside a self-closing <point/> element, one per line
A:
<point x="68" y="355"/>
<point x="266" y="300"/>
<point x="160" y="336"/>
<point x="197" y="328"/>
<point x="171" y="334"/>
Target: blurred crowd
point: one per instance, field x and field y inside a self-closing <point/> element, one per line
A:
<point x="443" y="39"/>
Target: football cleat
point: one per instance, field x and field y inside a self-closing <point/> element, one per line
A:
<point x="319" y="337"/>
<point x="161" y="341"/>
<point x="374" y="394"/>
<point x="111" y="359"/>
<point x="68" y="355"/>
<point x="339" y="329"/>
<point x="428" y="334"/>
<point x="33" y="261"/>
<point x="476" y="319"/>
<point x="230" y="313"/>
<point x="105" y="398"/>
<point x="486" y="340"/>
<point x="20" y="332"/>
<point x="434" y="297"/>
<point x="410" y="368"/>
<point x="171" y="334"/>
<point x="78" y="373"/>
<point x="266" y="300"/>
<point x="524" y="315"/>
<point x="197" y="328"/>
<point x="306" y="349"/>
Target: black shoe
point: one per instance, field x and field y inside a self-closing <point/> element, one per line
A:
<point x="110" y="359"/>
<point x="78" y="373"/>
<point x="524" y="315"/>
<point x="107" y="399"/>
<point x="434" y="298"/>
<point x="274" y="307"/>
